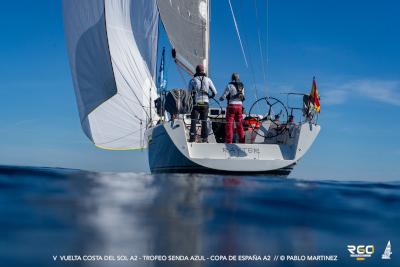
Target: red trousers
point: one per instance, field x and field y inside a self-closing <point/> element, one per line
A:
<point x="234" y="113"/>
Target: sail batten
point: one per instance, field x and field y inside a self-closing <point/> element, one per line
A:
<point x="112" y="48"/>
<point x="187" y="26"/>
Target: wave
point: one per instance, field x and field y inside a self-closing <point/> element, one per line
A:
<point x="63" y="211"/>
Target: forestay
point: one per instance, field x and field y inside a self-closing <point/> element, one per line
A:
<point x="187" y="25"/>
<point x="112" y="48"/>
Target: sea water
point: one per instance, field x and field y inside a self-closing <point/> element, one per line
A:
<point x="60" y="217"/>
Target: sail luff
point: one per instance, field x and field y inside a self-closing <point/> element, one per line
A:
<point x="207" y="39"/>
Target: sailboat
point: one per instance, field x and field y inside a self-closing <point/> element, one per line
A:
<point x="112" y="48"/>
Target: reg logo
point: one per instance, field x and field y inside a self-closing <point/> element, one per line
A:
<point x="361" y="252"/>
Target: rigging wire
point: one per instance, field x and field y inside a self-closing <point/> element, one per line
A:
<point x="252" y="72"/>
<point x="129" y="109"/>
<point x="238" y="33"/>
<point x="267" y="45"/>
<point x="259" y="43"/>
<point x="250" y="66"/>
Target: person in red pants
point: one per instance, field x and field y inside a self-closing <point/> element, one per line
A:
<point x="234" y="94"/>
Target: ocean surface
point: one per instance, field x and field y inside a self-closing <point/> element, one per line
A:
<point x="61" y="217"/>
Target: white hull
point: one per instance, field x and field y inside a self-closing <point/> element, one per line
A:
<point x="169" y="151"/>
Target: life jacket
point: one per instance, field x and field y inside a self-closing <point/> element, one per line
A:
<point x="200" y="90"/>
<point x="239" y="91"/>
<point x="251" y="122"/>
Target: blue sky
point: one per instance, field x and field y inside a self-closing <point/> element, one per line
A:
<point x="352" y="48"/>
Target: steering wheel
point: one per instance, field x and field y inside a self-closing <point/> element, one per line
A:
<point x="272" y="104"/>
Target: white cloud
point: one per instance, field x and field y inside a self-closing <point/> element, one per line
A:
<point x="378" y="90"/>
<point x="334" y="97"/>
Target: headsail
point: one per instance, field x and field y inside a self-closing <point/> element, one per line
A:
<point x="187" y="26"/>
<point x="112" y="48"/>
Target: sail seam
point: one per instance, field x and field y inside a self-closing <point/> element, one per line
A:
<point x="86" y="117"/>
<point x="108" y="42"/>
<point x="137" y="98"/>
<point x="120" y="138"/>
<point x="111" y="61"/>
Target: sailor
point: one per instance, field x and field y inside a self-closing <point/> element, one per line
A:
<point x="276" y="124"/>
<point x="234" y="93"/>
<point x="274" y="130"/>
<point x="277" y="121"/>
<point x="290" y="126"/>
<point x="200" y="86"/>
<point x="307" y="108"/>
<point x="288" y="130"/>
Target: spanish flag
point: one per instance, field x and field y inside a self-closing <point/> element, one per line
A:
<point x="314" y="97"/>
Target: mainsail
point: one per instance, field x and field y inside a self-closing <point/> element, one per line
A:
<point x="112" y="47"/>
<point x="187" y="25"/>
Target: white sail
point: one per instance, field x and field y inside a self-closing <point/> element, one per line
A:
<point x="112" y="48"/>
<point x="187" y="25"/>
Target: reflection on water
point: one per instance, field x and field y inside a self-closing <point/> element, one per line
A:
<point x="46" y="212"/>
